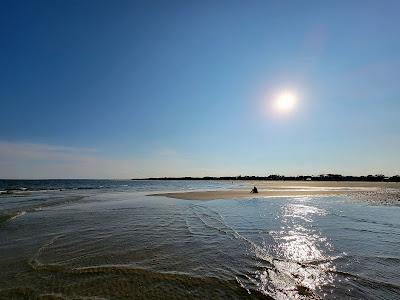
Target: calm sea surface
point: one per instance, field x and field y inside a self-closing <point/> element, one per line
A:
<point x="104" y="239"/>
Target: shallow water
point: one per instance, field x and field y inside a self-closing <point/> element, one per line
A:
<point x="108" y="240"/>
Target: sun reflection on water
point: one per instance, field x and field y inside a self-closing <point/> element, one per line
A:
<point x="300" y="255"/>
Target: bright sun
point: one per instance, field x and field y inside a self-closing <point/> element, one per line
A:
<point x="285" y="102"/>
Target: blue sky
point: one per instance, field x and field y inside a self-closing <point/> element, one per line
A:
<point x="121" y="89"/>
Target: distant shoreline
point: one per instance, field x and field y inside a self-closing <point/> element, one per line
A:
<point x="271" y="178"/>
<point x="328" y="177"/>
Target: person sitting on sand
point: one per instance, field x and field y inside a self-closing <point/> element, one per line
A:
<point x="254" y="190"/>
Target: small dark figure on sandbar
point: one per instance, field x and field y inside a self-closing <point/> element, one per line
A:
<point x="254" y="190"/>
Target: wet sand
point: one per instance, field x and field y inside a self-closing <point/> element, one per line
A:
<point x="289" y="188"/>
<point x="210" y="195"/>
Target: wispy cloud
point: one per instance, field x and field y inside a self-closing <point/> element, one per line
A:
<point x="28" y="151"/>
<point x="36" y="161"/>
<point x="31" y="160"/>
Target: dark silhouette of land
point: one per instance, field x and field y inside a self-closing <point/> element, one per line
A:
<point x="324" y="177"/>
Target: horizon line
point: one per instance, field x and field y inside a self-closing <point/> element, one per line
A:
<point x="272" y="177"/>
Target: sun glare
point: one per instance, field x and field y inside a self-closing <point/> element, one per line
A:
<point x="285" y="102"/>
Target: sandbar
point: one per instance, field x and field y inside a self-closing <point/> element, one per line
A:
<point x="285" y="188"/>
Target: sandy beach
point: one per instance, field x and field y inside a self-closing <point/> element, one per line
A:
<point x="291" y="188"/>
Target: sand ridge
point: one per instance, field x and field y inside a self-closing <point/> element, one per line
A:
<point x="285" y="188"/>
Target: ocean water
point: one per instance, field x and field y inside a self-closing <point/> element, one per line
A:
<point x="104" y="239"/>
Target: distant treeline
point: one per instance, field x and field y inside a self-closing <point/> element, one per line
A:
<point x="324" y="177"/>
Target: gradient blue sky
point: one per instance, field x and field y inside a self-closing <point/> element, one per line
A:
<point x="121" y="89"/>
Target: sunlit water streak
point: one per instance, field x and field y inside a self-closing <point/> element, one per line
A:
<point x="118" y="243"/>
<point x="301" y="247"/>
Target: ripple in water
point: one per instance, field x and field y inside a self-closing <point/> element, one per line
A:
<point x="124" y="245"/>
